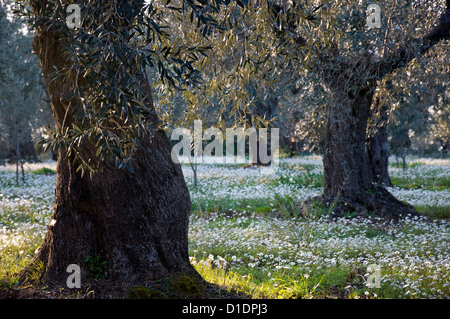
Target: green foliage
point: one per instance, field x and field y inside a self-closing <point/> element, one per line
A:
<point x="417" y="98"/>
<point x="274" y="74"/>
<point x="34" y="274"/>
<point x="437" y="183"/>
<point x="442" y="212"/>
<point x="43" y="171"/>
<point x="97" y="266"/>
<point x="372" y="232"/>
<point x="284" y="285"/>
<point x="178" y="286"/>
<point x="142" y="292"/>
<point x="109" y="108"/>
<point x="8" y="283"/>
<point x="255" y="63"/>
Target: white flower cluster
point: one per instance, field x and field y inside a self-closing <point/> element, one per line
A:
<point x="413" y="252"/>
<point x="24" y="209"/>
<point x="291" y="180"/>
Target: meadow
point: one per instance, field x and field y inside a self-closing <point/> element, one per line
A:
<point x="246" y="233"/>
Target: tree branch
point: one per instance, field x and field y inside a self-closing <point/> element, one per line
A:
<point x="404" y="55"/>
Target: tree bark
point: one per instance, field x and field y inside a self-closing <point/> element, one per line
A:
<point x="348" y="184"/>
<point x="348" y="178"/>
<point x="378" y="151"/>
<point x="345" y="158"/>
<point x="136" y="223"/>
<point x="19" y="160"/>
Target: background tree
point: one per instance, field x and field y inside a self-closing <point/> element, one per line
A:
<point x="353" y="76"/>
<point x="441" y="126"/>
<point x="415" y="94"/>
<point x="5" y="28"/>
<point x="21" y="91"/>
<point x="331" y="40"/>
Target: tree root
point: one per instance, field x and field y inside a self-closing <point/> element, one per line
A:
<point x="377" y="201"/>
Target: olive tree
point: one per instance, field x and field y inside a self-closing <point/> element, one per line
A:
<point x="120" y="198"/>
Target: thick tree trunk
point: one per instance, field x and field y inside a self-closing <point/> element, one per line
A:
<point x="378" y="149"/>
<point x="348" y="185"/>
<point x="136" y="222"/>
<point x="378" y="152"/>
<point x="345" y="157"/>
<point x="19" y="160"/>
<point x="133" y="225"/>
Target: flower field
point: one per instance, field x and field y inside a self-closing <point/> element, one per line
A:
<point x="247" y="236"/>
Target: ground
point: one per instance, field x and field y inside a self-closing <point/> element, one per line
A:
<point x="247" y="237"/>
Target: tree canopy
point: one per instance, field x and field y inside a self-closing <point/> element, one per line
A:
<point x="225" y="58"/>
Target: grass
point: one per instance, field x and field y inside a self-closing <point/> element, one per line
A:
<point x="43" y="171"/>
<point x="440" y="212"/>
<point x="246" y="234"/>
<point x="428" y="183"/>
<point x="334" y="256"/>
<point x="279" y="287"/>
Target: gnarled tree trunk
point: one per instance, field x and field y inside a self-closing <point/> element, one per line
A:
<point x="348" y="178"/>
<point x="345" y="158"/>
<point x="378" y="151"/>
<point x="133" y="227"/>
<point x="347" y="172"/>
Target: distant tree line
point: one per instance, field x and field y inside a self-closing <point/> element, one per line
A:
<point x="24" y="102"/>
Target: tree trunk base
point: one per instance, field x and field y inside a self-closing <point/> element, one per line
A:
<point x="181" y="285"/>
<point x="377" y="201"/>
<point x="120" y="229"/>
